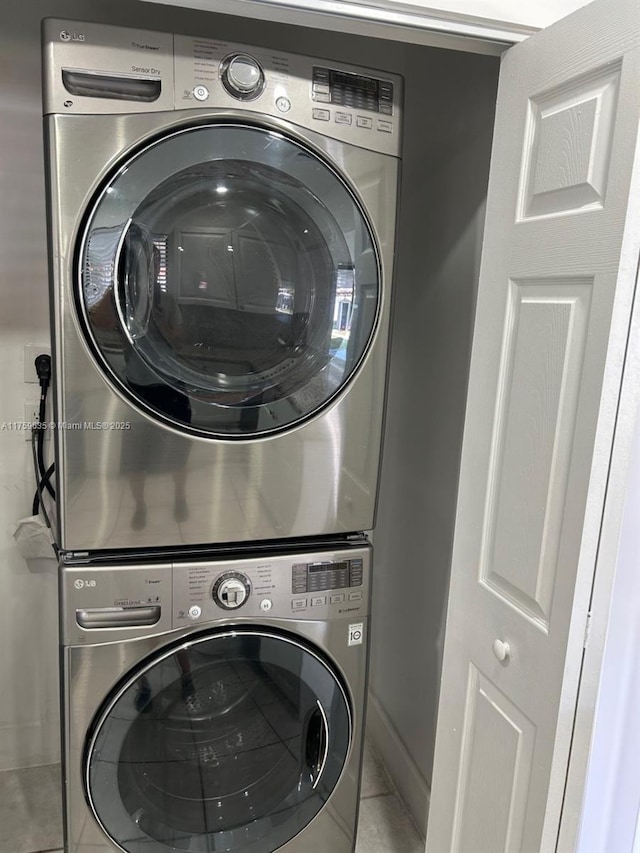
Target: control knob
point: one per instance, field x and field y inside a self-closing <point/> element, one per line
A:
<point x="242" y="76"/>
<point x="231" y="590"/>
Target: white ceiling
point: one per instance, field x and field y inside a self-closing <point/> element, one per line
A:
<point x="535" y="13"/>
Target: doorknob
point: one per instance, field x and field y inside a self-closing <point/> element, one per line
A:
<point x="501" y="650"/>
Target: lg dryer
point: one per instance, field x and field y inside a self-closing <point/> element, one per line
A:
<point x="222" y="235"/>
<point x="208" y="707"/>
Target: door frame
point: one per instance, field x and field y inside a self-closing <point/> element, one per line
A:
<point x="626" y="430"/>
<point x="396" y="20"/>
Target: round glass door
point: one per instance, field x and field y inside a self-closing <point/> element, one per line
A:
<point x="233" y="741"/>
<point x="228" y="281"/>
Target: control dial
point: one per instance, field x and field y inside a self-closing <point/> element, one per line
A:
<point x="242" y="76"/>
<point x="231" y="590"/>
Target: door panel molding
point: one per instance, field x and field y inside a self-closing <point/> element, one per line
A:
<point x="540" y="373"/>
<point x="493" y="724"/>
<point x="567" y="150"/>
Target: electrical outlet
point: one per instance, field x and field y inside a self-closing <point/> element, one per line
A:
<point x="31" y="416"/>
<point x="31" y="352"/>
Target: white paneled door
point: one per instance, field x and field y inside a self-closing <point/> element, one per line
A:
<point x="556" y="287"/>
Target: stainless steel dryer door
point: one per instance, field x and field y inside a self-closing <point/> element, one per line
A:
<point x="228" y="280"/>
<point x="233" y="741"/>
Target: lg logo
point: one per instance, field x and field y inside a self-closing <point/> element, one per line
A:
<point x="81" y="584"/>
<point x="65" y="35"/>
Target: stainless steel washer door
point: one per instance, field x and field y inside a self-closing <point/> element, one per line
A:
<point x="233" y="741"/>
<point x="228" y="280"/>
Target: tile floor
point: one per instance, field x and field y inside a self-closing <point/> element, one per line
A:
<point x="30" y="820"/>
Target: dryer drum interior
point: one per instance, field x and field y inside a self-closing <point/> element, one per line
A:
<point x="234" y="741"/>
<point x="228" y="280"/>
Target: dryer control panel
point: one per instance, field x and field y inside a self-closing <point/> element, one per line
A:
<point x="356" y="105"/>
<point x="98" y="69"/>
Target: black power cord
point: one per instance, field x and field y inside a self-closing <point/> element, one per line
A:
<point x="38" y="496"/>
<point x="43" y="474"/>
<point x="44" y="482"/>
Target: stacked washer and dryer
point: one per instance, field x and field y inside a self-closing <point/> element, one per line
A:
<point x="221" y="237"/>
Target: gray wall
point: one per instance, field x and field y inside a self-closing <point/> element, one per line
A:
<point x="445" y="175"/>
<point x="449" y="117"/>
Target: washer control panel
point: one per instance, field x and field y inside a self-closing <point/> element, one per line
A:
<point x="319" y="585"/>
<point x="121" y="601"/>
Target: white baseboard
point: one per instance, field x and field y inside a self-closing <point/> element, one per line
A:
<point x="407" y="779"/>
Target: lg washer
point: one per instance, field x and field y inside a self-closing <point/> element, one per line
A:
<point x="222" y="226"/>
<point x="215" y="705"/>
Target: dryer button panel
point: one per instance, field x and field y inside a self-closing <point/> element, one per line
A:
<point x="352" y="90"/>
<point x="344" y="102"/>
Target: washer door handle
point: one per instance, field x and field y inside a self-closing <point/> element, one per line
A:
<point x="317" y="743"/>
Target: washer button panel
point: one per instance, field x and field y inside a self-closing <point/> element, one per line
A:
<point x="200" y="93"/>
<point x="310" y="586"/>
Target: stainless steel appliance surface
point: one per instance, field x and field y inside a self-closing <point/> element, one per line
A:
<point x="222" y="226"/>
<point x="215" y="705"/>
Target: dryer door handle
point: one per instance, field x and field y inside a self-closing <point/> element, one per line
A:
<point x="118" y="617"/>
<point x="136" y="267"/>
